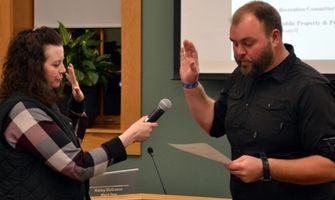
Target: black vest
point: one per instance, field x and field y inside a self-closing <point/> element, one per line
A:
<point x="23" y="176"/>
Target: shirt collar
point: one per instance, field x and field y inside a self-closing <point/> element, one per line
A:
<point x="280" y="71"/>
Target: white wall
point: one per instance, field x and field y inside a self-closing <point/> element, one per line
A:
<point x="78" y="13"/>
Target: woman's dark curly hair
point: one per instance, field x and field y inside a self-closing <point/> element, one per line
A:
<point x="23" y="70"/>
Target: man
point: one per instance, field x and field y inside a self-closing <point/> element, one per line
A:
<point x="276" y="110"/>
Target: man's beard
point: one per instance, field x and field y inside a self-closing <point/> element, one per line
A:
<point x="259" y="65"/>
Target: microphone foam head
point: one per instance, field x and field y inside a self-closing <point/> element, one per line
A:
<point x="165" y="104"/>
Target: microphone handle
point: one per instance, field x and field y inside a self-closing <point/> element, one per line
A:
<point x="155" y="115"/>
<point x="159" y="176"/>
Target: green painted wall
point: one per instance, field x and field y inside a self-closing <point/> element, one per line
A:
<point x="182" y="173"/>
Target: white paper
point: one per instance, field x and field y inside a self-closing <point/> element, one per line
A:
<point x="203" y="150"/>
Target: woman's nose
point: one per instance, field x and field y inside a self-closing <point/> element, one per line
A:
<point x="62" y="69"/>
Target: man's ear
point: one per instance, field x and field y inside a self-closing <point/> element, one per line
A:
<point x="275" y="37"/>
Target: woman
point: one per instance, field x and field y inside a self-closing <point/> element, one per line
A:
<point x="40" y="153"/>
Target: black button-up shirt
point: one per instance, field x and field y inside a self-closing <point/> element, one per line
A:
<point x="287" y="113"/>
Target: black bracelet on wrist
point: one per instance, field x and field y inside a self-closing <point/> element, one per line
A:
<point x="266" y="167"/>
<point x="190" y="85"/>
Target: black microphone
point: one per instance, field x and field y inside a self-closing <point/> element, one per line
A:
<point x="151" y="152"/>
<point x="163" y="106"/>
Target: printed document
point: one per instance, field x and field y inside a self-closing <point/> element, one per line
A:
<point x="203" y="150"/>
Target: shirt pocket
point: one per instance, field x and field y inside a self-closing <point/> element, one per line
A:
<point x="268" y="117"/>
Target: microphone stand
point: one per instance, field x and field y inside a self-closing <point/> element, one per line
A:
<point x="150" y="151"/>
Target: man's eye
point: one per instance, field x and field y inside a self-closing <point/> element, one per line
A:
<point x="235" y="44"/>
<point x="248" y="43"/>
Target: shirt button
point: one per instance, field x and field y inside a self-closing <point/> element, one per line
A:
<point x="255" y="134"/>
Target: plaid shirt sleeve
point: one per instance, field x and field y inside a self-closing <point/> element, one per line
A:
<point x="78" y="118"/>
<point x="30" y="129"/>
